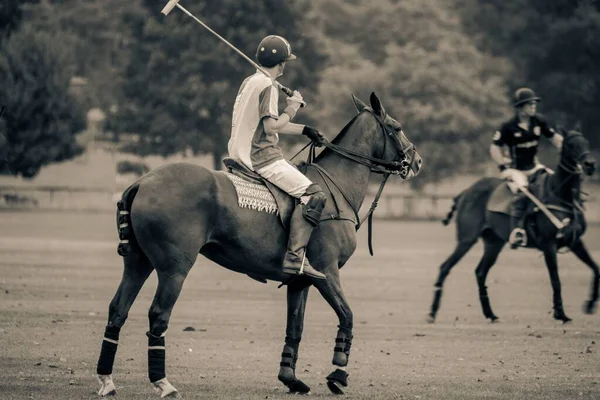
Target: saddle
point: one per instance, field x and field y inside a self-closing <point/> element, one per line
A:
<point x="285" y="202"/>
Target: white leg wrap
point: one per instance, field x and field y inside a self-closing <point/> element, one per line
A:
<point x="107" y="386"/>
<point x="164" y="388"/>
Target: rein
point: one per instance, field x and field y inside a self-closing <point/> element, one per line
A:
<point x="376" y="165"/>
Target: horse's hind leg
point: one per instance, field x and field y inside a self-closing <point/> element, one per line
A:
<point x="297" y="294"/>
<point x="492" y="247"/>
<point x="461" y="249"/>
<point x="136" y="270"/>
<point x="170" y="282"/>
<point x="583" y="254"/>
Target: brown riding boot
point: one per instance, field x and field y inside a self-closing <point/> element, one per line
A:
<point x="295" y="261"/>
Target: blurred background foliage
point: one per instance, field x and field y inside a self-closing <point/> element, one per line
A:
<point x="446" y="69"/>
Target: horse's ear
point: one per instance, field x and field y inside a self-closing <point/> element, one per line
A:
<point x="358" y="103"/>
<point x="376" y="105"/>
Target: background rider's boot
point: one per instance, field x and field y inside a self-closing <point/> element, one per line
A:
<point x="518" y="236"/>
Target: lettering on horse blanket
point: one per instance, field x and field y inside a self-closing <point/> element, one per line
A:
<point x="252" y="195"/>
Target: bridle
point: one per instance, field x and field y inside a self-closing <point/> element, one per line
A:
<point x="377" y="165"/>
<point x="380" y="165"/>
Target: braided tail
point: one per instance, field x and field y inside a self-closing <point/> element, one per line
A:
<point x="127" y="238"/>
<point x="450" y="214"/>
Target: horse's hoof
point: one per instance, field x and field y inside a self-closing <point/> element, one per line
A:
<point x="336" y="380"/>
<point x="589" y="307"/>
<point x="334" y="387"/>
<point x="561" y="316"/>
<point x="297" y="387"/>
<point x="494" y="319"/>
<point x="107" y="386"/>
<point x="430" y="319"/>
<point x="165" y="389"/>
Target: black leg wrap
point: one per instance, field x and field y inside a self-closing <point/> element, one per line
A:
<point x="156" y="357"/>
<point x="341" y="351"/>
<point x="287" y="368"/>
<point x="335" y="379"/>
<point x="108" y="350"/>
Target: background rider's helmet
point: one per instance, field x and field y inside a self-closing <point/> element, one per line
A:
<point x="524" y="95"/>
<point x="273" y="50"/>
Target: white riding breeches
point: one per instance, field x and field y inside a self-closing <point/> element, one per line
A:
<point x="518" y="179"/>
<point x="286" y="177"/>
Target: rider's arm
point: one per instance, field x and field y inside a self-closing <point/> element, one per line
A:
<point x="282" y="125"/>
<point x="496" y="147"/>
<point x="550" y="133"/>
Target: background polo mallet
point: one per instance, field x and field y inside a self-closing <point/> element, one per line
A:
<point x="175" y="3"/>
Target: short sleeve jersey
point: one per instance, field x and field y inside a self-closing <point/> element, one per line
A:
<point x="523" y="143"/>
<point x="249" y="144"/>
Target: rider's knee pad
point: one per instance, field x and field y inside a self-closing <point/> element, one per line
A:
<point x="313" y="201"/>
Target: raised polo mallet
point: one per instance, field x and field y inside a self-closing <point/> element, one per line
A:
<point x="175" y="3"/>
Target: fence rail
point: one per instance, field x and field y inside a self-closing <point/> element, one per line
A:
<point x="390" y="206"/>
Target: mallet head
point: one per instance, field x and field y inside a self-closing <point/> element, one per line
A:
<point x="170" y="5"/>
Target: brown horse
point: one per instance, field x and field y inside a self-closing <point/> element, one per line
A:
<point x="173" y="213"/>
<point x="560" y="191"/>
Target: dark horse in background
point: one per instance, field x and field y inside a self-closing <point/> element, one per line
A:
<point x="478" y="216"/>
<point x="173" y="213"/>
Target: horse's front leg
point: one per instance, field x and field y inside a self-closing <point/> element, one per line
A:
<point x="297" y="294"/>
<point x="552" y="265"/>
<point x="579" y="249"/>
<point x="332" y="292"/>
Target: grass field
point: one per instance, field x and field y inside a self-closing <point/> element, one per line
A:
<point x="58" y="272"/>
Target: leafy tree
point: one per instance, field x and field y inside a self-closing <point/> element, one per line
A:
<point x="430" y="75"/>
<point x="41" y="116"/>
<point x="181" y="80"/>
<point x="11" y="16"/>
<point x="555" y="46"/>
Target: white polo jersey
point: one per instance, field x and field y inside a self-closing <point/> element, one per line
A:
<point x="249" y="144"/>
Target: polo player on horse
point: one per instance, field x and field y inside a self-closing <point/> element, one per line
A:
<point x="521" y="134"/>
<point x="255" y="126"/>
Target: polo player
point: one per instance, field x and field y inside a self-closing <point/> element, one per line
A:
<point x="255" y="129"/>
<point x="521" y="134"/>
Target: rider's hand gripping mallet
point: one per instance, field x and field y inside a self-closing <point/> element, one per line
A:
<point x="175" y="3"/>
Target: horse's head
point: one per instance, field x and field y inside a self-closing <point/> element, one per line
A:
<point x="575" y="154"/>
<point x="401" y="150"/>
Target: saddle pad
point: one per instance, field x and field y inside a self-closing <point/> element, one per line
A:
<point x="501" y="199"/>
<point x="252" y="195"/>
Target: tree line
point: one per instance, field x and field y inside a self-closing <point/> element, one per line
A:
<point x="445" y="69"/>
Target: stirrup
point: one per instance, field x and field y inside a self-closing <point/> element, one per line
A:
<point x="313" y="273"/>
<point x="515" y="241"/>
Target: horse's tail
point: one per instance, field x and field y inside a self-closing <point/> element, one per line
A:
<point x="450" y="214"/>
<point x="126" y="235"/>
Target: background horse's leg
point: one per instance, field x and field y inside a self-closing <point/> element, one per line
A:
<point x="169" y="287"/>
<point x="136" y="270"/>
<point x="332" y="292"/>
<point x="297" y="294"/>
<point x="552" y="265"/>
<point x="492" y="247"/>
<point x="579" y="249"/>
<point x="461" y="249"/>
